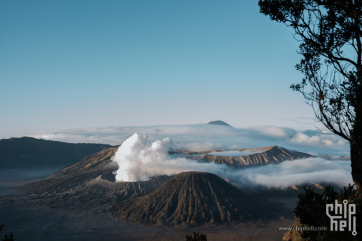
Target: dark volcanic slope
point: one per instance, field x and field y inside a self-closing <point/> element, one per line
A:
<point x="87" y="184"/>
<point x="97" y="193"/>
<point x="267" y="155"/>
<point x="87" y="169"/>
<point x="27" y="152"/>
<point x="101" y="191"/>
<point x="193" y="198"/>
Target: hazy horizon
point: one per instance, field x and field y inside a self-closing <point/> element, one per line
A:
<point x="204" y="137"/>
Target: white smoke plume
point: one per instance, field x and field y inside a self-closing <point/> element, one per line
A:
<point x="139" y="159"/>
<point x="136" y="156"/>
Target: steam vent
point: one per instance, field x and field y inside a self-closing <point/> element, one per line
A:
<point x="193" y="199"/>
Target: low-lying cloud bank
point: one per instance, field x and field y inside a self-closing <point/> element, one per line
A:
<point x="297" y="172"/>
<point x="138" y="159"/>
<point x="210" y="137"/>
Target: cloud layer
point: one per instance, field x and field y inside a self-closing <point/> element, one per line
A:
<point x="139" y="159"/>
<point x="210" y="137"/>
<point x="297" y="172"/>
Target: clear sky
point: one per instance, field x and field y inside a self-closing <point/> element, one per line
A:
<point x="74" y="64"/>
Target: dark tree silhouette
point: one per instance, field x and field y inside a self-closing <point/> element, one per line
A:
<point x="311" y="212"/>
<point x="11" y="238"/>
<point x="330" y="35"/>
<point x="196" y="237"/>
<point x="6" y="238"/>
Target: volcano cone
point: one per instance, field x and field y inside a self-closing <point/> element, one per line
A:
<point x="193" y="198"/>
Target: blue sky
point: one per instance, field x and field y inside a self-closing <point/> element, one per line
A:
<point x="76" y="64"/>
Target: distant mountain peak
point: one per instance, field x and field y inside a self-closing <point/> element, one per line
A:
<point x="218" y="122"/>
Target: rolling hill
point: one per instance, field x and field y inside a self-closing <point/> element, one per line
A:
<point x="28" y="152"/>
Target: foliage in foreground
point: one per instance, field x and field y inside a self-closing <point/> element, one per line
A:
<point x="330" y="36"/>
<point x="196" y="237"/>
<point x="6" y="238"/>
<point x="311" y="212"/>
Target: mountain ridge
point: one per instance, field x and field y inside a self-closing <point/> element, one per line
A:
<point x="269" y="155"/>
<point x="25" y="152"/>
<point x="86" y="169"/>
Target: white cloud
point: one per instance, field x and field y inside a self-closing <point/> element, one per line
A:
<point x="138" y="159"/>
<point x="321" y="140"/>
<point x="310" y="170"/>
<point x="274" y="131"/>
<point x="209" y="137"/>
<point x="327" y="142"/>
<point x="303" y="138"/>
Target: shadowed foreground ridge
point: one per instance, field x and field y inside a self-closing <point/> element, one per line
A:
<point x="86" y="169"/>
<point x="194" y="198"/>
